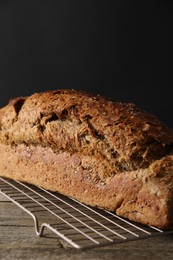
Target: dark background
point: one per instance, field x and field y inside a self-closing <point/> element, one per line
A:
<point x="120" y="49"/>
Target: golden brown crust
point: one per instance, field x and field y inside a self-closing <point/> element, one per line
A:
<point x="103" y="153"/>
<point x="135" y="195"/>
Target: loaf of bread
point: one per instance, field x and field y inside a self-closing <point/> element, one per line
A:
<point x="103" y="153"/>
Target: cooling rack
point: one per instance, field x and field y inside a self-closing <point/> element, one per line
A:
<point x="79" y="225"/>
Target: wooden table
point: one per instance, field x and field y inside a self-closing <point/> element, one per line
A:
<point x="19" y="241"/>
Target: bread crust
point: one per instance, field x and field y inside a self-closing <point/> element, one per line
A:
<point x="103" y="153"/>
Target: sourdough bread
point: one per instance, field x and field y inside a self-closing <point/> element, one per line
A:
<point x="107" y="154"/>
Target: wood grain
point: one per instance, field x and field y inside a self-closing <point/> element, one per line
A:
<point x="19" y="241"/>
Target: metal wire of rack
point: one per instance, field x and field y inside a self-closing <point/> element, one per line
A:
<point x="79" y="225"/>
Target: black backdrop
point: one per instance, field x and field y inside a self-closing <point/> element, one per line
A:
<point x="120" y="49"/>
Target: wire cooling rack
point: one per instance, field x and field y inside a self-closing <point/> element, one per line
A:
<point x="79" y="225"/>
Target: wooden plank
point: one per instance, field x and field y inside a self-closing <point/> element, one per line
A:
<point x="19" y="241"/>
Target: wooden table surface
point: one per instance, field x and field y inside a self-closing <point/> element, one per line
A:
<point x="19" y="241"/>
